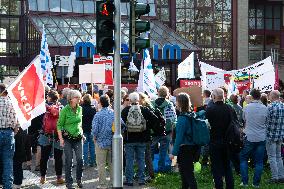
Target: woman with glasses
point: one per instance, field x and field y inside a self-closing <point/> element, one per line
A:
<point x="70" y="134"/>
<point x="125" y="102"/>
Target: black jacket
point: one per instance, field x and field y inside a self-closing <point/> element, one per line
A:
<point x="219" y="117"/>
<point x="140" y="137"/>
<point x="88" y="112"/>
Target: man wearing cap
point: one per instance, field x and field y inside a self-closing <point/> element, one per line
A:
<point x="8" y="125"/>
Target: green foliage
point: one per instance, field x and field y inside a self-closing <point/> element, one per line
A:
<point x="205" y="180"/>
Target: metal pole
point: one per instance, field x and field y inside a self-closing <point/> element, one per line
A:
<point x="117" y="148"/>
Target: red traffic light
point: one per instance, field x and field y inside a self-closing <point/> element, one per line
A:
<point x="107" y="8"/>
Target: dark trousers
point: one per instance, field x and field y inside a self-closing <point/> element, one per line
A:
<point x="235" y="159"/>
<point x="185" y="160"/>
<point x="221" y="166"/>
<point x="18" y="172"/>
<point x="148" y="161"/>
<point x="45" y="153"/>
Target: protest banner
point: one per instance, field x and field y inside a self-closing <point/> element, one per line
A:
<point x="92" y="73"/>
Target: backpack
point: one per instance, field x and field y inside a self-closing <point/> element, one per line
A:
<point x="233" y="136"/>
<point x="50" y="119"/>
<point x="159" y="128"/>
<point x="135" y="120"/>
<point x="199" y="127"/>
<point x="168" y="113"/>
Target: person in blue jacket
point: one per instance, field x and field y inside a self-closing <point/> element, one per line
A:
<point x="184" y="148"/>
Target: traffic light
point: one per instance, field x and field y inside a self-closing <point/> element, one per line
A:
<point x="138" y="26"/>
<point x="104" y="26"/>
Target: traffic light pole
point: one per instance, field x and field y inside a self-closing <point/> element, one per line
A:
<point x="117" y="142"/>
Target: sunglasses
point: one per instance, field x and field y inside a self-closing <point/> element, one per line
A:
<point x="127" y="99"/>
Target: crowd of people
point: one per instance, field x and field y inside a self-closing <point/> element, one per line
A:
<point x="83" y="124"/>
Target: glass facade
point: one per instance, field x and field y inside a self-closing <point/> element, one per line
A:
<point x="208" y="23"/>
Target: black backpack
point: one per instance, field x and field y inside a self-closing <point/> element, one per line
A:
<point x="159" y="127"/>
<point x="234" y="136"/>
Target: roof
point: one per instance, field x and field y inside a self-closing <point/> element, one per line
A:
<point x="67" y="30"/>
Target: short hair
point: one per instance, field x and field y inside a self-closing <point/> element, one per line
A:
<point x="72" y="94"/>
<point x="264" y="99"/>
<point x="218" y="93"/>
<point x="53" y="95"/>
<point x="134" y="97"/>
<point x="125" y="97"/>
<point x="163" y="92"/>
<point x="125" y="89"/>
<point x="3" y="89"/>
<point x="255" y="93"/>
<point x="183" y="101"/>
<point x="275" y="94"/>
<point x="105" y="101"/>
<point x="87" y="99"/>
<point x="234" y="99"/>
<point x="65" y="92"/>
<point x="224" y="89"/>
<point x="207" y="93"/>
<point x="123" y="93"/>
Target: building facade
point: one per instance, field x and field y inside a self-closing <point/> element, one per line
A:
<point x="225" y="33"/>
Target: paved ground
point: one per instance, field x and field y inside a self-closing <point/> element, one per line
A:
<point x="90" y="179"/>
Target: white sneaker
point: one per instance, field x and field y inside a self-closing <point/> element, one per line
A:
<point x="243" y="185"/>
<point x="255" y="186"/>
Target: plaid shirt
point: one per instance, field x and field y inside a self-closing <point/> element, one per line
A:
<point x="7" y="114"/>
<point x="275" y="121"/>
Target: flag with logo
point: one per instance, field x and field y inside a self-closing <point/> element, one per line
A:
<point x="160" y="78"/>
<point x="45" y="60"/>
<point x="27" y="93"/>
<point x="186" y="68"/>
<point x="149" y="83"/>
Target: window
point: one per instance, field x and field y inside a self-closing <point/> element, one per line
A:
<point x="208" y="24"/>
<point x="163" y="10"/>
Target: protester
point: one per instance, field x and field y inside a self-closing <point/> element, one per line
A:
<point x="275" y="136"/>
<point x="48" y="139"/>
<point x="254" y="115"/>
<point x="125" y="102"/>
<point x="70" y="134"/>
<point x="184" y="148"/>
<point x="206" y="97"/>
<point x="20" y="156"/>
<point x="63" y="100"/>
<point x="8" y="125"/>
<point x="219" y="117"/>
<point x="238" y="109"/>
<point x="138" y="121"/>
<point x="145" y="102"/>
<point x="248" y="100"/>
<point x="102" y="131"/>
<point x="264" y="99"/>
<point x="88" y="112"/>
<point x="169" y="112"/>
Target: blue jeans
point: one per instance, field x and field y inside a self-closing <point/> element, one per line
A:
<point x="136" y="150"/>
<point x="69" y="146"/>
<point x="273" y="149"/>
<point x="163" y="151"/>
<point x="89" y="147"/>
<point x="256" y="151"/>
<point x="7" y="148"/>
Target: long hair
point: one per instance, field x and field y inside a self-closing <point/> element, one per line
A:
<point x="183" y="101"/>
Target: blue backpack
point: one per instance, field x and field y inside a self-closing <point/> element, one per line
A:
<point x="199" y="128"/>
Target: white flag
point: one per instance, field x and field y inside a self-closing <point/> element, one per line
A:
<point x="71" y="64"/>
<point x="149" y="83"/>
<point x="46" y="63"/>
<point x="186" y="67"/>
<point x="132" y="66"/>
<point x="160" y="78"/>
<point x="140" y="87"/>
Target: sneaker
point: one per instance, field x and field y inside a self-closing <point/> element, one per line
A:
<point x="60" y="181"/>
<point x="273" y="181"/>
<point x="79" y="184"/>
<point x="281" y="180"/>
<point x="127" y="184"/>
<point x="255" y="186"/>
<point x="42" y="180"/>
<point x="243" y="185"/>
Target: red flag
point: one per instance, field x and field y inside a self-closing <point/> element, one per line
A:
<point x="27" y="94"/>
<point x="276" y="85"/>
